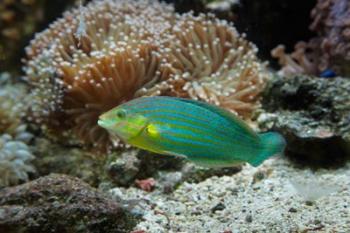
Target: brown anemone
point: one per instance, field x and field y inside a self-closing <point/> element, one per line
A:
<point x="212" y="62"/>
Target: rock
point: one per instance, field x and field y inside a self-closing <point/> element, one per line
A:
<point x="169" y="181"/>
<point x="260" y="175"/>
<point x="313" y="114"/>
<point x="168" y="171"/>
<point x="152" y="163"/>
<point x="124" y="169"/>
<point x="136" y="164"/>
<point x="60" y="203"/>
<point x="196" y="174"/>
<point x="249" y="218"/>
<point x="219" y="207"/>
<point x="53" y="157"/>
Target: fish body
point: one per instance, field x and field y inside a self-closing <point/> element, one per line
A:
<point x="205" y="134"/>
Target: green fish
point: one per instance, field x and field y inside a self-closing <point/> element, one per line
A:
<point x="204" y="134"/>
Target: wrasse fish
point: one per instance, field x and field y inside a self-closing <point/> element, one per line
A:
<point x="204" y="134"/>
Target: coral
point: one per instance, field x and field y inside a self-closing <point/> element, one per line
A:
<point x="331" y="21"/>
<point x="53" y="157"/>
<point x="298" y="62"/>
<point x="14" y="161"/>
<point x="12" y="99"/>
<point x="147" y="184"/>
<point x="329" y="50"/>
<point x="15" y="154"/>
<point x="130" y="49"/>
<point x="10" y="107"/>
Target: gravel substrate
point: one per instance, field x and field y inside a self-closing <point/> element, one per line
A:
<point x="276" y="197"/>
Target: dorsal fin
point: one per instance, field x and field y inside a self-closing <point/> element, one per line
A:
<point x="219" y="111"/>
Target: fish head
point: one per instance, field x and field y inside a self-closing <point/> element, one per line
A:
<point x="123" y="122"/>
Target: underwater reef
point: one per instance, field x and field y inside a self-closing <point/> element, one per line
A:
<point x="328" y="50"/>
<point x="61" y="172"/>
<point x="15" y="158"/>
<point x="275" y="197"/>
<point x="109" y="52"/>
<point x="314" y="116"/>
<point x="15" y="153"/>
<point x="60" y="203"/>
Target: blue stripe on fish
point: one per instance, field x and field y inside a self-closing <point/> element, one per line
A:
<point x="211" y="121"/>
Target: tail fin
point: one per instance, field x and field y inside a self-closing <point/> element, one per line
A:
<point x="272" y="143"/>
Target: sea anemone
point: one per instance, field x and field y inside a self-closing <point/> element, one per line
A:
<point x="15" y="156"/>
<point x="109" y="52"/>
<point x="11" y="107"/>
<point x="212" y="62"/>
<point x="75" y="79"/>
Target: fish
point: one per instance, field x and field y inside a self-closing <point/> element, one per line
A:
<point x="205" y="134"/>
<point x="328" y="73"/>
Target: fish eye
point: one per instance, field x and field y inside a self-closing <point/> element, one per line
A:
<point x="121" y="113"/>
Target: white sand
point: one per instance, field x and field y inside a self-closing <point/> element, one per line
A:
<point x="276" y="203"/>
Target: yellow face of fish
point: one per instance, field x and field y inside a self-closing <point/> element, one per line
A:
<point x="123" y="123"/>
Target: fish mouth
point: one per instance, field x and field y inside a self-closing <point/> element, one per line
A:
<point x="103" y="123"/>
<point x="106" y="120"/>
